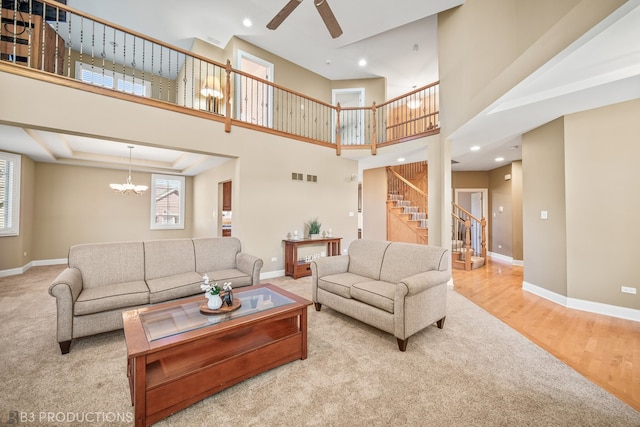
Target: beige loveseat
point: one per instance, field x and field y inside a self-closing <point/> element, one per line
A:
<point x="104" y="279"/>
<point x="400" y="288"/>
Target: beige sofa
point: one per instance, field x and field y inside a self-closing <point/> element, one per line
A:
<point x="400" y="288"/>
<point x="104" y="279"/>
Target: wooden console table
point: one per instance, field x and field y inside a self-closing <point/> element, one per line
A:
<point x="295" y="268"/>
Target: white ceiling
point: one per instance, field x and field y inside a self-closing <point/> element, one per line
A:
<point x="399" y="42"/>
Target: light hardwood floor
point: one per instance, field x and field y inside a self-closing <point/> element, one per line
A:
<point x="604" y="349"/>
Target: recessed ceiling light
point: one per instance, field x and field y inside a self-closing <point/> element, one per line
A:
<point x="499" y="159"/>
<point x="401" y="159"/>
<point x="475" y="148"/>
<point x="247" y="22"/>
<point x="362" y="62"/>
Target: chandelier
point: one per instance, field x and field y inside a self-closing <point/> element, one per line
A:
<point x="129" y="187"/>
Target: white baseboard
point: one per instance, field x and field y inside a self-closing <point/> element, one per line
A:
<point x="272" y="274"/>
<point x="506" y="259"/>
<point x="583" y="305"/>
<point x="24" y="268"/>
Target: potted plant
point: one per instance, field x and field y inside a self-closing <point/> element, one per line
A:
<point x="314" y="228"/>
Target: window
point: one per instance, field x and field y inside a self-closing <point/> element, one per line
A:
<point x="167" y="202"/>
<point x="112" y="80"/>
<point x="9" y="194"/>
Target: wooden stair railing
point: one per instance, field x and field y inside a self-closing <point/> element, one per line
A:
<point x="407" y="217"/>
<point x="147" y="71"/>
<point x="468" y="238"/>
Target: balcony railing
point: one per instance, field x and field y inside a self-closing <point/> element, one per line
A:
<point x="75" y="49"/>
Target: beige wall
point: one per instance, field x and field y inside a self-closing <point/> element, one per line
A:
<point x="74" y="204"/>
<point x="267" y="203"/>
<point x="485" y="47"/>
<point x="543" y="177"/>
<point x="500" y="210"/>
<point x="374" y="212"/>
<point x="602" y="203"/>
<point x="504" y="228"/>
<point x="517" y="244"/>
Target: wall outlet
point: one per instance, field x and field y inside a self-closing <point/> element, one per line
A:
<point x="274" y="259"/>
<point x="627" y="290"/>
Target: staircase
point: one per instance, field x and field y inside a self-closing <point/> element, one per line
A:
<point x="405" y="222"/>
<point x="468" y="239"/>
<point x="407" y="218"/>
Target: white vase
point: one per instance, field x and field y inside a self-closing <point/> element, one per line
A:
<point x="214" y="302"/>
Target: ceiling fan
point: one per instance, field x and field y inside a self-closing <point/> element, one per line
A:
<point x="323" y="9"/>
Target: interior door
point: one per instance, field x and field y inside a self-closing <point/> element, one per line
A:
<point x="254" y="99"/>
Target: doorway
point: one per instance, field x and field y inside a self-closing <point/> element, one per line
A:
<point x="254" y="99"/>
<point x="351" y="122"/>
<point x="475" y="201"/>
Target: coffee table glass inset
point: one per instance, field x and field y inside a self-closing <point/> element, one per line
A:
<point x="177" y="319"/>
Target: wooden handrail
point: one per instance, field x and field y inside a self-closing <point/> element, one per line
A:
<point x="391" y="114"/>
<point x="403" y="179"/>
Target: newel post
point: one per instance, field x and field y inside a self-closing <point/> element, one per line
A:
<point x="227" y="89"/>
<point x="337" y="131"/>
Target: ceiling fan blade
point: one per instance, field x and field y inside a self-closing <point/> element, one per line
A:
<point x="282" y="15"/>
<point x="328" y="17"/>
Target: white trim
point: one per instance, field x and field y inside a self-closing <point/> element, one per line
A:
<point x="583" y="305"/>
<point x="153" y="225"/>
<point x="24" y="268"/>
<point x="238" y="86"/>
<point x="12" y="193"/>
<point x="505" y="258"/>
<point x="500" y="257"/>
<point x="272" y="274"/>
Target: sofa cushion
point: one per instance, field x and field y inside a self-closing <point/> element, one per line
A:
<point x="340" y="284"/>
<point x="110" y="297"/>
<point x="236" y="277"/>
<point x="365" y="257"/>
<point x="176" y="286"/>
<point x="402" y="260"/>
<point x="376" y="293"/>
<point x="108" y="263"/>
<point x="166" y="258"/>
<point x="215" y="253"/>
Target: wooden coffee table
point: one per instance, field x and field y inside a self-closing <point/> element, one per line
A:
<point x="177" y="356"/>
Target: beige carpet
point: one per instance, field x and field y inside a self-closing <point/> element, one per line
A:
<point x="474" y="372"/>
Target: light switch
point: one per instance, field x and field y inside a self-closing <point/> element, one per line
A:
<point x="544" y="214"/>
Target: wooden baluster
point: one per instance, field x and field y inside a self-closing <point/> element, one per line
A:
<point x="227" y="89"/>
<point x="337" y="131"/>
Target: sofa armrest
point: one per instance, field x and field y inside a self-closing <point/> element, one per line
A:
<point x="425" y="280"/>
<point x="68" y="284"/>
<point x="251" y="265"/>
<point x="66" y="288"/>
<point x="330" y="265"/>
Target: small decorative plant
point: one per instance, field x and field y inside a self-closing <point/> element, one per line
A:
<point x="215" y="288"/>
<point x="314" y="226"/>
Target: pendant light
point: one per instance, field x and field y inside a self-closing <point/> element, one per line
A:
<point x="129" y="187"/>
